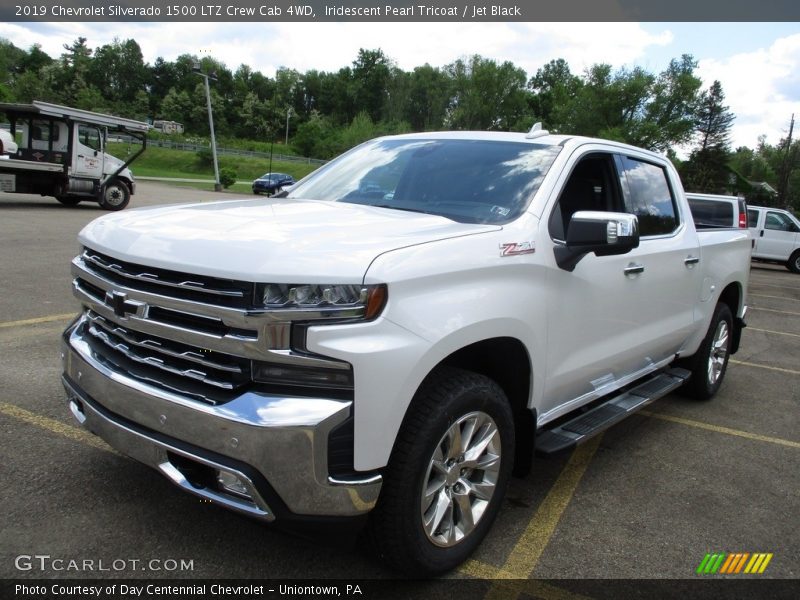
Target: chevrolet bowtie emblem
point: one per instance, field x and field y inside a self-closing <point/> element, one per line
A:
<point x="119" y="303"/>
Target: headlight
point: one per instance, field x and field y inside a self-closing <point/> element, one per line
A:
<point x="364" y="301"/>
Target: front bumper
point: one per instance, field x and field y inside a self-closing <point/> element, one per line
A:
<point x="275" y="446"/>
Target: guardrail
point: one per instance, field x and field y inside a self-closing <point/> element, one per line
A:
<point x="234" y="151"/>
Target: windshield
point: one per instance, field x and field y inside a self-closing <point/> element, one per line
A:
<point x="469" y="181"/>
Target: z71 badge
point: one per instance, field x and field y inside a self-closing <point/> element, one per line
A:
<point x="515" y="248"/>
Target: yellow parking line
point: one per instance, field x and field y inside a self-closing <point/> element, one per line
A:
<point x="770" y="331"/>
<point x="781" y="312"/>
<point x="36" y="321"/>
<point x="53" y="426"/>
<point x="758" y="366"/>
<point x="525" y="554"/>
<point x="481" y="570"/>
<point x="719" y="429"/>
<point x="529" y="548"/>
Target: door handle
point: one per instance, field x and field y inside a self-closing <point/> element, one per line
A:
<point x="761" y="234"/>
<point x="81" y="156"/>
<point x="690" y="261"/>
<point x="633" y="269"/>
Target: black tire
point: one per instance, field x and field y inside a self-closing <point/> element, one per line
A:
<point x="709" y="364"/>
<point x="69" y="200"/>
<point x="449" y="401"/>
<point x="115" y="195"/>
<point x="793" y="264"/>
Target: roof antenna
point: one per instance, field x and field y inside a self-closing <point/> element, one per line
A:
<point x="536" y="132"/>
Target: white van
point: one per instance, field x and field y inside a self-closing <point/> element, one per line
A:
<point x="777" y="236"/>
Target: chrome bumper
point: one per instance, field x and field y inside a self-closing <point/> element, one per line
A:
<point x="259" y="439"/>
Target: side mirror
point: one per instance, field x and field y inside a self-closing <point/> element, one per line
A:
<point x="604" y="233"/>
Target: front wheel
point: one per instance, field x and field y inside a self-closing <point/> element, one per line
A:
<point x="708" y="366"/>
<point x="447" y="474"/>
<point x="115" y="195"/>
<point x="793" y="264"/>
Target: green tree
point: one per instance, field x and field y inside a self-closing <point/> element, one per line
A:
<point x="118" y="71"/>
<point x="370" y="81"/>
<point x="553" y="88"/>
<point x="486" y="95"/>
<point x="714" y="119"/>
<point x="429" y="98"/>
<point x="672" y="109"/>
<point x="707" y="169"/>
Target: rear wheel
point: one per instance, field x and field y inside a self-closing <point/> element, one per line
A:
<point x="116" y="195"/>
<point x="793" y="263"/>
<point x="447" y="475"/>
<point x="708" y="366"/>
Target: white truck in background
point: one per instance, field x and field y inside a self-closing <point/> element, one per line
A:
<point x="392" y="337"/>
<point x="776" y="234"/>
<point x="62" y="154"/>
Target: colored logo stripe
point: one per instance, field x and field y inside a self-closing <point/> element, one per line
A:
<point x="733" y="563"/>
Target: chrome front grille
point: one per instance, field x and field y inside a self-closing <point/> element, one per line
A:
<point x="220" y="370"/>
<point x="214" y="290"/>
<point x="204" y="375"/>
<point x="194" y="335"/>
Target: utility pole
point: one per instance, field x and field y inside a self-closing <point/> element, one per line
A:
<point x="196" y="69"/>
<point x="786" y="169"/>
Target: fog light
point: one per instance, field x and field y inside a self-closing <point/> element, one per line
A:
<point x="231" y="483"/>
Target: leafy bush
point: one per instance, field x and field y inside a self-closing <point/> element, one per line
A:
<point x="227" y="177"/>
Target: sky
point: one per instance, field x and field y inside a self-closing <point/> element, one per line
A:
<point x="758" y="64"/>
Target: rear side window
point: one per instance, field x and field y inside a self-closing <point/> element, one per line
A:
<point x="711" y="213"/>
<point x="650" y="197"/>
<point x="752" y="218"/>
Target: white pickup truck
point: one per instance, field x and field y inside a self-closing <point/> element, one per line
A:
<point x="402" y="329"/>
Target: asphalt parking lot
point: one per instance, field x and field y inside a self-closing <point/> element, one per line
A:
<point x="648" y="499"/>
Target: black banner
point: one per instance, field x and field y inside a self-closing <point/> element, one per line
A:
<point x="399" y="10"/>
<point x="443" y="588"/>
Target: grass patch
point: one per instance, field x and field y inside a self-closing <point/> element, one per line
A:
<point x="166" y="162"/>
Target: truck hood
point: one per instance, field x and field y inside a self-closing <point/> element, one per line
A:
<point x="274" y="240"/>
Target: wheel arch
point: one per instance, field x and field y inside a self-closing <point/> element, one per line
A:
<point x="506" y="361"/>
<point x="732" y="296"/>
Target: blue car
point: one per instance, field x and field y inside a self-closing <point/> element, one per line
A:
<point x="271" y="183"/>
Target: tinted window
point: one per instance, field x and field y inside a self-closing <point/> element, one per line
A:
<point x="779" y="222"/>
<point x="650" y="197"/>
<point x="752" y="218"/>
<point x="593" y="185"/>
<point x="711" y="213"/>
<point x="90" y="136"/>
<point x="469" y="181"/>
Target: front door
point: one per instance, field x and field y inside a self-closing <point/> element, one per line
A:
<point x="88" y="151"/>
<point x="615" y="316"/>
<point x="777" y="239"/>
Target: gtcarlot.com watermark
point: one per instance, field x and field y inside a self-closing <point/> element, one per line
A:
<point x="58" y="564"/>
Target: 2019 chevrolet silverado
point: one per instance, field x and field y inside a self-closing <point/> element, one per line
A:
<point x="392" y="337"/>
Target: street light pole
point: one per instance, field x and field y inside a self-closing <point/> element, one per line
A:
<point x="288" y="112"/>
<point x="217" y="184"/>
